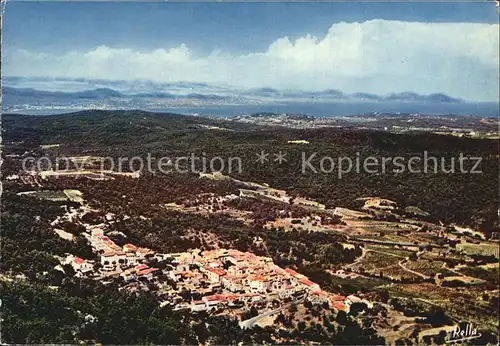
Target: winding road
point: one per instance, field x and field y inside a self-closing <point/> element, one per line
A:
<point x="251" y="322"/>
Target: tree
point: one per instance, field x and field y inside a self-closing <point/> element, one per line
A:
<point x="186" y="295"/>
<point x="301" y="326"/>
<point x="253" y="311"/>
<point x="342" y="317"/>
<point x="440" y="338"/>
<point x="356" y="308"/>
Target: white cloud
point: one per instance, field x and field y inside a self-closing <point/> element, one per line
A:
<point x="377" y="56"/>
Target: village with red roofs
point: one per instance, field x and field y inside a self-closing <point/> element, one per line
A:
<point x="212" y="280"/>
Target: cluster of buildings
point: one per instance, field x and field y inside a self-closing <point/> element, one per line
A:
<point x="113" y="256"/>
<point x="126" y="260"/>
<point x="242" y="278"/>
<point x="141" y="271"/>
<point x="80" y="266"/>
<point x="215" y="279"/>
<point x="336" y="301"/>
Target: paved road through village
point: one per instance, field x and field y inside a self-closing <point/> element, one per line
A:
<point x="251" y="322"/>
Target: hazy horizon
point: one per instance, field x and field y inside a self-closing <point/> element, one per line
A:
<point x="453" y="47"/>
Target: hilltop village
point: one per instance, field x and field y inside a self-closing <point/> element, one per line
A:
<point x="220" y="279"/>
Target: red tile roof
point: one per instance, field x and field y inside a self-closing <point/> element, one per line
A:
<point x="257" y="278"/>
<point x="130" y="247"/>
<point x="147" y="271"/>
<point x="340" y="306"/>
<point x="235" y="277"/>
<point x="217" y="271"/>
<point x="222" y="297"/>
<point x="144" y="250"/>
<point x="337" y="298"/>
<point x="353" y="298"/>
<point x="320" y="293"/>
<point x="292" y="272"/>
<point x="214" y="297"/>
<point x="307" y="282"/>
<point x="233" y="252"/>
<point x="78" y="260"/>
<point x="141" y="267"/>
<point x="250" y="294"/>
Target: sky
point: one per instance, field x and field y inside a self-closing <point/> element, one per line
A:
<point x="425" y="47"/>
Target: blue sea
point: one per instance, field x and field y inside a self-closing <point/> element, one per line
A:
<point x="320" y="109"/>
<point x="323" y="109"/>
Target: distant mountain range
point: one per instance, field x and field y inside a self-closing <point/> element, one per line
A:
<point x="334" y="94"/>
<point x="95" y="94"/>
<point x="42" y="95"/>
<point x="12" y="95"/>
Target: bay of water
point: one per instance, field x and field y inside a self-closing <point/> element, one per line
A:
<point x="321" y="109"/>
<point x="347" y="108"/>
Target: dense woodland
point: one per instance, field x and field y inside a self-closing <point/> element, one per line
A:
<point x="446" y="196"/>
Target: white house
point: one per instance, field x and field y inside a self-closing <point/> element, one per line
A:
<point x="132" y="259"/>
<point x="213" y="300"/>
<point x="232" y="283"/>
<point x="198" y="305"/>
<point x="257" y="284"/>
<point x="128" y="275"/>
<point x="81" y="265"/>
<point x="318" y="297"/>
<point x="109" y="260"/>
<point x="214" y="274"/>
